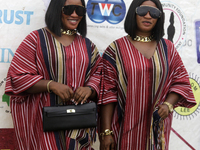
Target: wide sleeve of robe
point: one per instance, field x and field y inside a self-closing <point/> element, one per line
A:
<point x="179" y="78"/>
<point x="23" y="71"/>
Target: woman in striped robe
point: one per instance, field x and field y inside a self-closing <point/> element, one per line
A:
<point x="50" y="67"/>
<point x="143" y="80"/>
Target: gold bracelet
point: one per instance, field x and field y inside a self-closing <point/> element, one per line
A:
<point x="48" y="86"/>
<point x="106" y="132"/>
<point x="170" y="106"/>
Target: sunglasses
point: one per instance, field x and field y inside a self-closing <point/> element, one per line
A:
<point x="69" y="9"/>
<point x="143" y="10"/>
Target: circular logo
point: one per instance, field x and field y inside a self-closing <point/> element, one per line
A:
<point x="183" y="111"/>
<point x="175" y="24"/>
<point x="103" y="10"/>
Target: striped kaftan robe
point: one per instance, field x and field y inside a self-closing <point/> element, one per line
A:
<point x="138" y="85"/>
<point x="41" y="56"/>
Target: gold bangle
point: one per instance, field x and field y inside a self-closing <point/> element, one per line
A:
<point x="170" y="106"/>
<point x="48" y="86"/>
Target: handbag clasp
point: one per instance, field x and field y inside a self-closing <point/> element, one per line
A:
<point x="70" y="110"/>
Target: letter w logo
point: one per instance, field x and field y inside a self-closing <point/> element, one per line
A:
<point x="105" y="9"/>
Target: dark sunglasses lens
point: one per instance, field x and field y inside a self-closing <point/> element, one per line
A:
<point x="80" y="11"/>
<point x="143" y="10"/>
<point x="155" y="13"/>
<point x="69" y="9"/>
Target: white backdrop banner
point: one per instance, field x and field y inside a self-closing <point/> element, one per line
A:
<point x="105" y="21"/>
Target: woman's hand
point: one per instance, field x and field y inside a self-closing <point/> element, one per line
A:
<point x="163" y="111"/>
<point x="82" y="94"/>
<point x="172" y="99"/>
<point x="62" y="90"/>
<point x="107" y="142"/>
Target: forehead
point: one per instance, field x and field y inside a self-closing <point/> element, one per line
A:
<point x="73" y="2"/>
<point x="149" y="3"/>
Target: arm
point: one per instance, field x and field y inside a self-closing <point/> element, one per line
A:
<point x="172" y="99"/>
<point x="63" y="91"/>
<point x="108" y="99"/>
<point x="107" y="141"/>
<point x="92" y="87"/>
<point x="179" y="92"/>
<point x="40" y="86"/>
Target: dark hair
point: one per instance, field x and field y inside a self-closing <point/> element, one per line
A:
<point x="130" y="24"/>
<point x="53" y="18"/>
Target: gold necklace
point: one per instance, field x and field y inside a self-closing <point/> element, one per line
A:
<point x="143" y="39"/>
<point x="68" y="32"/>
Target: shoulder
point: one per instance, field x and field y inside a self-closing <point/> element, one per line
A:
<point x="34" y="35"/>
<point x="110" y="51"/>
<point x="122" y="39"/>
<point x="168" y="43"/>
<point x="116" y="42"/>
<point x="172" y="52"/>
<point x="88" y="43"/>
<point x="30" y="41"/>
<point x="85" y="40"/>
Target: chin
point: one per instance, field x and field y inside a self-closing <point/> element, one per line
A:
<point x="72" y="28"/>
<point x="147" y="30"/>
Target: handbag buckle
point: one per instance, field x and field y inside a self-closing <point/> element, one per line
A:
<point x="70" y="110"/>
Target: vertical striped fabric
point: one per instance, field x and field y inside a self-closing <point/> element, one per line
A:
<point x="41" y="56"/>
<point x="139" y="85"/>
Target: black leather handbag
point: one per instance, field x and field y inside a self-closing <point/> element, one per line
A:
<point x="69" y="117"/>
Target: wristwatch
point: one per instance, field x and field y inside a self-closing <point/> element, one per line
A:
<point x="170" y="106"/>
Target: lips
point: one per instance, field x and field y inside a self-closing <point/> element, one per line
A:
<point x="147" y="23"/>
<point x="73" y="20"/>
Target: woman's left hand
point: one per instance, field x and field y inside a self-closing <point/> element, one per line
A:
<point x="163" y="111"/>
<point x="82" y="94"/>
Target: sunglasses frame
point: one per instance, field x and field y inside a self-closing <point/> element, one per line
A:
<point x="75" y="9"/>
<point x="149" y="10"/>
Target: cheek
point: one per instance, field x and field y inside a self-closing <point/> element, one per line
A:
<point x="62" y="17"/>
<point x="137" y="19"/>
<point x="155" y="21"/>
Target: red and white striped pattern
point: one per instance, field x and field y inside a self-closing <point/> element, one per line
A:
<point x="27" y="68"/>
<point x="145" y="82"/>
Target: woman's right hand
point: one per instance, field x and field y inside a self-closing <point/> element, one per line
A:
<point x="107" y="142"/>
<point x="62" y="90"/>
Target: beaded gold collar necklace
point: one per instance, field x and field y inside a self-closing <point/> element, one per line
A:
<point x="143" y="39"/>
<point x="68" y="32"/>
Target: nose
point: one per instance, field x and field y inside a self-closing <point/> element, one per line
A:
<point x="148" y="15"/>
<point x="74" y="13"/>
